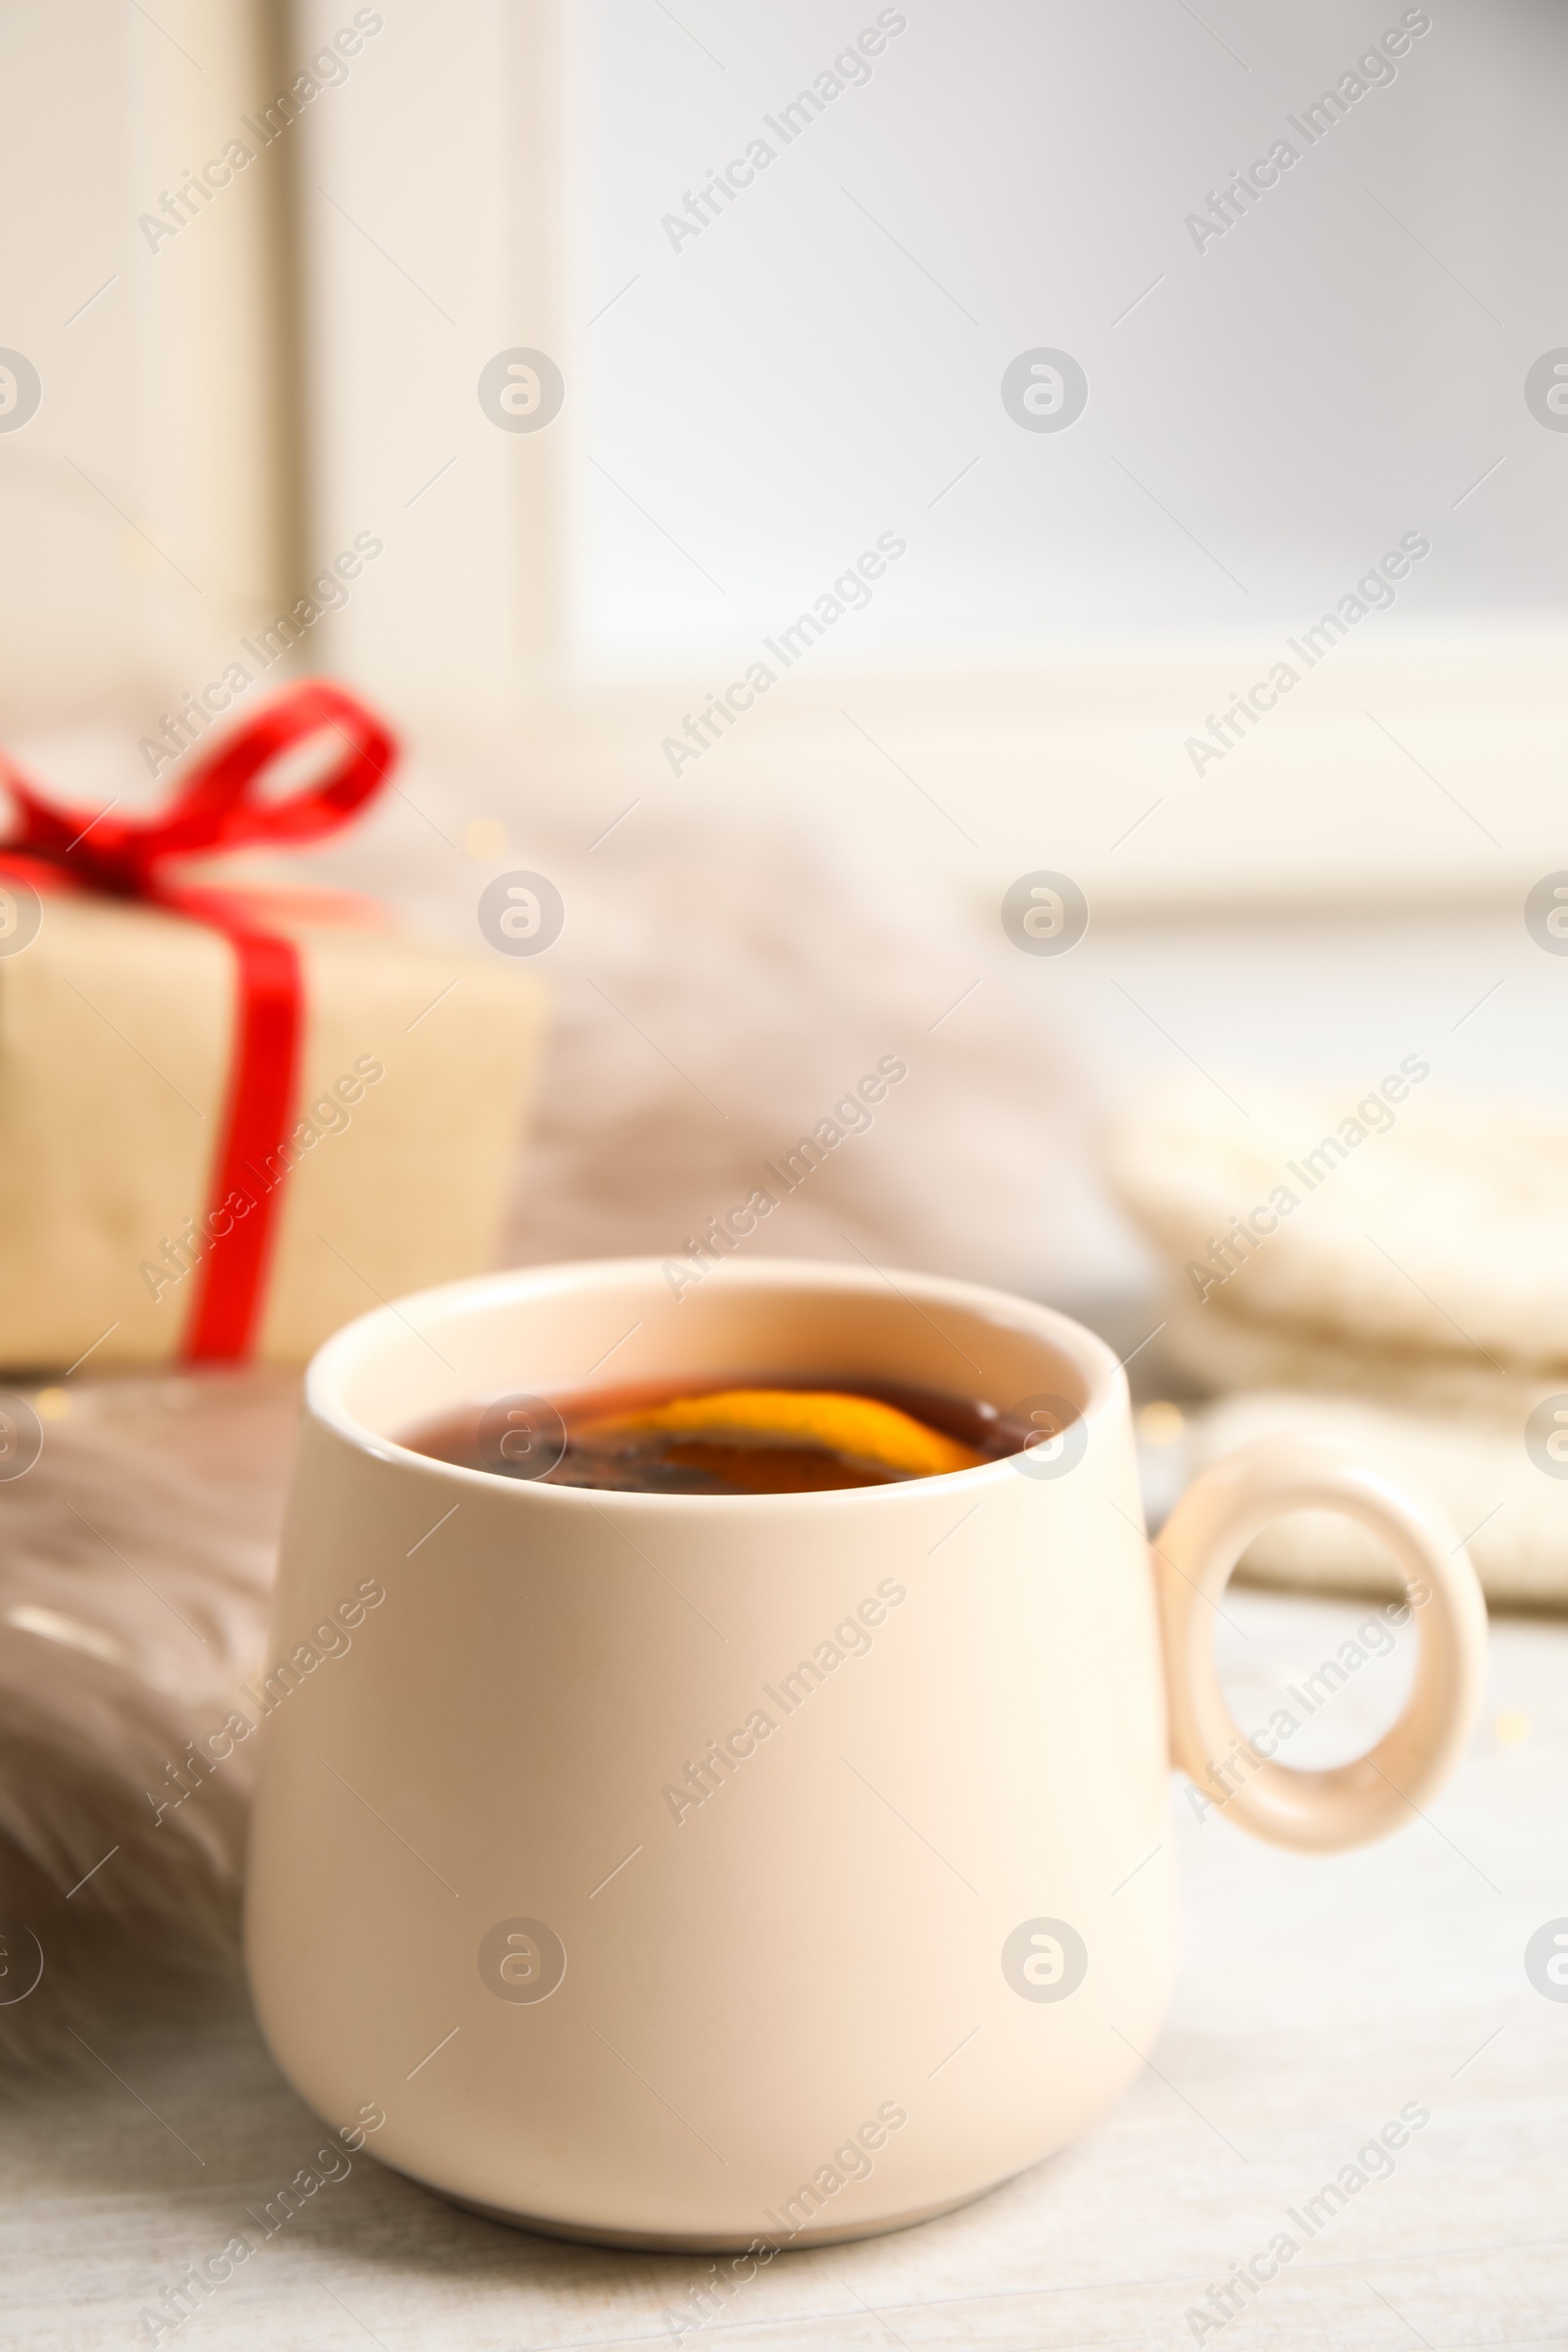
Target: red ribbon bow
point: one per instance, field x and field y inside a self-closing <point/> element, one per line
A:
<point x="219" y="809"/>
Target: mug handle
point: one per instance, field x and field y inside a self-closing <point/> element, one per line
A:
<point x="1219" y="1516"/>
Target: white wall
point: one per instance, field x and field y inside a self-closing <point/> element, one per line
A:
<point x="1300" y="392"/>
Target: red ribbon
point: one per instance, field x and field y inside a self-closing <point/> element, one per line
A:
<point x="219" y="809"/>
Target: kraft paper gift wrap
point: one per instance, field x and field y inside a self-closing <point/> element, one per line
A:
<point x="231" y="1124"/>
<point x="116" y="1029"/>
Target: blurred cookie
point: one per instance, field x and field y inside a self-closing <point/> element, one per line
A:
<point x="1511" y="1511"/>
<point x="1401" y="1217"/>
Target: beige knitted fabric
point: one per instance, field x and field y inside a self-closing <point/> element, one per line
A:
<point x="1389" y="1215"/>
<point x="1511" y="1511"/>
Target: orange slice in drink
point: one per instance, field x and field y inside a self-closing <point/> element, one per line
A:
<point x="859" y="1428"/>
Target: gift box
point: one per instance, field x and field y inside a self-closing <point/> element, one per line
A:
<point x="231" y="1120"/>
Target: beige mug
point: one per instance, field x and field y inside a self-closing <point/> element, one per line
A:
<point x="725" y="1874"/>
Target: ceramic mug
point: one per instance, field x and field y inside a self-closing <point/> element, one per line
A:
<point x="718" y="1873"/>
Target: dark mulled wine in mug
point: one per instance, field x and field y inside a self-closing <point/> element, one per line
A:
<point x="763" y="1436"/>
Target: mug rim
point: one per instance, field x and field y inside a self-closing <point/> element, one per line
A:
<point x="1099" y="1370"/>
